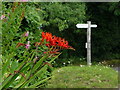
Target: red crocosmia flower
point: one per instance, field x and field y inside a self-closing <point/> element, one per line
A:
<point x="43" y="35"/>
<point x="47" y="64"/>
<point x="69" y="47"/>
<point x="48" y="45"/>
<point x="37" y="43"/>
<point x="53" y="52"/>
<point x="48" y="37"/>
<point x="65" y="45"/>
<point x="55" y="42"/>
<point x="52" y="43"/>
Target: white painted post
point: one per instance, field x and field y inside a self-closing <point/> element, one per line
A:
<point x="88" y="44"/>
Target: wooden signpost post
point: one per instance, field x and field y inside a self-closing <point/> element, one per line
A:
<point x="88" y="44"/>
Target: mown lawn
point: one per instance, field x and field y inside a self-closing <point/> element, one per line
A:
<point x="84" y="77"/>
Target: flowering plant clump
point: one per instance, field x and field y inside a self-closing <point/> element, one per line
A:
<point x="36" y="61"/>
<point x="26" y="62"/>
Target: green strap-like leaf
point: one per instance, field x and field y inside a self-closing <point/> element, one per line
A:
<point x="6" y="81"/>
<point x="39" y="63"/>
<point x="10" y="81"/>
<point x="22" y="80"/>
<point x="43" y="69"/>
<point x="5" y="66"/>
<point x="54" y="58"/>
<point x="38" y="83"/>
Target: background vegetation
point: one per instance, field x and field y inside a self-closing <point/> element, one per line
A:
<point x="61" y="19"/>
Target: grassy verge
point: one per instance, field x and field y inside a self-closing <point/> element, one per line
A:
<point x="114" y="63"/>
<point x="84" y="77"/>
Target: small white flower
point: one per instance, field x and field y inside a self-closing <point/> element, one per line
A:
<point x="64" y="63"/>
<point x="81" y="65"/>
<point x="68" y="61"/>
<point x="99" y="80"/>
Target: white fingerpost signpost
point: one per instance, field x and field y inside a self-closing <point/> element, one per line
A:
<point x="88" y="44"/>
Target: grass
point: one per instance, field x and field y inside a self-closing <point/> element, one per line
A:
<point x="84" y="77"/>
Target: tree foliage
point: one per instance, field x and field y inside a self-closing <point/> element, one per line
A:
<point x="105" y="38"/>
